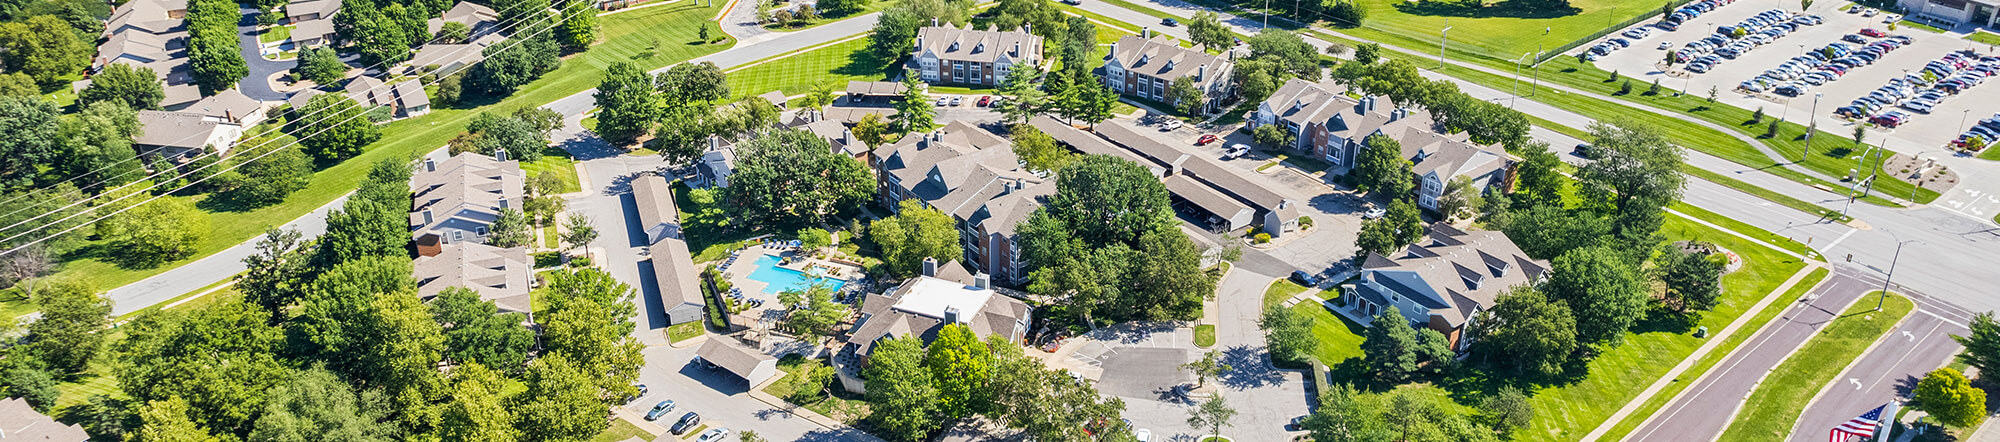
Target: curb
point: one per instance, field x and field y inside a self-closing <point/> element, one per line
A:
<point x="1850" y="364"/>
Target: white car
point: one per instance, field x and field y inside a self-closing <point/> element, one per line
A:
<point x="714" y="435"/>
<point x="1170" y="125"/>
<point x="943" y="101"/>
<point x="1870" y="12"/>
<point x="1373" y="213"/>
<point x="1143" y="435"/>
<point x="1237" y="150"/>
<point x="1665" y="44"/>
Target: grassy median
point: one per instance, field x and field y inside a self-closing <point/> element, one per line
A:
<point x="1771" y="409"/>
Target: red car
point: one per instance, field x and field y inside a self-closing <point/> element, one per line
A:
<point x="1205" y="139"/>
<point x="1871" y="32"/>
<point x="985" y="101"/>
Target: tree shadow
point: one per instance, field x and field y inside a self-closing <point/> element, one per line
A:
<point x="1528" y="9"/>
<point x="1249" y="367"/>
<point x="1663" y="320"/>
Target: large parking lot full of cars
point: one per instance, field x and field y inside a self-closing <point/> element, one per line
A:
<point x="1915" y="89"/>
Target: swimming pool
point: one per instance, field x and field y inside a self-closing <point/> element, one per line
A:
<point x="778" y="279"/>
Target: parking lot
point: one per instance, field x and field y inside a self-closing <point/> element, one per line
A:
<point x="1924" y="131"/>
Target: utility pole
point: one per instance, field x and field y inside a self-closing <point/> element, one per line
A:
<point x="1961" y="119"/>
<point x="1267" y="13"/>
<point x="1812" y="126"/>
<point x="1444" y="38"/>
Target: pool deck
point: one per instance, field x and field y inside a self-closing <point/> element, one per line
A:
<point x="746" y="263"/>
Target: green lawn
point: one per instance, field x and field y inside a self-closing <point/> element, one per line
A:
<point x="1918" y="26"/>
<point x="1567" y="412"/>
<point x="549" y="238"/>
<point x="1204" y="335"/>
<point x="557" y="161"/>
<point x="1987" y="37"/>
<point x="867" y="7"/>
<point x="799" y="72"/>
<point x="1338" y="338"/>
<point x="1770" y="410"/>
<point x="627" y="37"/>
<point x="847" y="409"/>
<point x="275" y="34"/>
<point x="684" y="331"/>
<point x="1280" y="290"/>
<point x="621" y="430"/>
<point x="1497" y="30"/>
<point x="1711" y="176"/>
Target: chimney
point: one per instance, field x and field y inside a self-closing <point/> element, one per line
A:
<point x="982" y="281"/>
<point x="500" y="154"/>
<point x="950" y="315"/>
<point x="847" y="137"/>
<point x="937" y="135"/>
<point x="1145" y="32"/>
<point x="1368" y="104"/>
<point x="714" y="142"/>
<point x="1017" y="50"/>
<point x="430" y="165"/>
<point x="1201" y="73"/>
<point x="934" y="21"/>
<point x="228" y="115"/>
<point x="930" y="267"/>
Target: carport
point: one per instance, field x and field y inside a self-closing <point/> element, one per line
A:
<point x="753" y="366"/>
<point x="1221" y="213"/>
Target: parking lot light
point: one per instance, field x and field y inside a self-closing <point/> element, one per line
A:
<point x="1961" y="120"/>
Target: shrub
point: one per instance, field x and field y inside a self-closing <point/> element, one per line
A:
<point x="1262" y="238"/>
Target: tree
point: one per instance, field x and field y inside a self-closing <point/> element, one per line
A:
<point x="169" y="421"/>
<point x="1348" y="415"/>
<point x="44" y="47"/>
<point x="1206" y="29"/>
<point x="1805" y="4"/>
<point x="1023" y="90"/>
<point x="22" y="268"/>
<point x="1947" y="396"/>
<point x="1367" y="53"/>
<point x="1771" y="130"/>
<point x="914" y="112"/>
<point x="268" y="179"/>
<point x="1208" y="366"/>
<point x="1638" y="173"/>
<point x="314" y="404"/>
<point x="1212" y="414"/>
<point x="336" y="130"/>
<point x="513" y="63"/>
<point x="1274" y="137"/>
<point x="97" y="146"/>
<point x="1604" y="293"/>
<point x="1508" y="410"/>
<point x="1389" y="347"/>
<point x="1528" y="330"/>
<point x="1298" y="58"/>
<point x="135" y="87"/>
<point x="322" y="64"/>
<point x="562" y="402"/>
<point x="476" y="332"/>
<point x="579" y="25"/>
<point x="453" y="33"/>
<point x="812" y="311"/>
<point x="68" y="334"/>
<point x="1097" y="102"/>
<point x="901" y="397"/>
<point x="1982" y="343"/>
<point x="510" y="229"/>
<point x="690" y="84"/>
<point x="31" y="138"/>
<point x="811" y="238"/>
<point x="872" y="130"/>
<point x="788" y="177"/>
<point x="475" y="408"/>
<point x="1257" y="84"/>
<point x="915" y="233"/>
<point x="1692" y="280"/>
<point x="1186" y="96"/>
<point x="154" y="233"/>
<point x="1046" y="404"/>
<point x="1346" y="14"/>
<point x="1107" y="199"/>
<point x="171" y="356"/>
<point x="590" y="322"/>
<point x="960" y="365"/>
<point x="1457" y="198"/>
<point x="577" y="231"/>
<point x="1380" y="168"/>
<point x="1287" y="334"/>
<point x="1037" y="150"/>
<point x="1539" y="180"/>
<point x="277" y="274"/>
<point x="376" y="34"/>
<point x="820" y="96"/>
<point x="17" y="84"/>
<point x="32" y="384"/>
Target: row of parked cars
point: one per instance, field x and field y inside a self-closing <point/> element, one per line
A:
<point x="1606" y="47"/>
<point x="1921" y="91"/>
<point x="1690" y="11"/>
<point x="1802" y="73"/>
<point x="1982" y="134"/>
<point x="1730" y="42"/>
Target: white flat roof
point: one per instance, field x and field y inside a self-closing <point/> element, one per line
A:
<point x="930" y="296"/>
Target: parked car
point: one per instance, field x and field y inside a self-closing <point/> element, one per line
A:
<point x="1665" y="44"/>
<point x="1205" y="139"/>
<point x="956" y="99"/>
<point x="1237" y="150"/>
<point x="661" y="409"/>
<point x="941" y="101"/>
<point x="1142" y="435"/>
<point x="687" y="422"/>
<point x="1872" y="32"/>
<point x="985" y="100"/>
<point x="713" y="435"/>
<point x="1585" y="150"/>
<point x="1305" y="279"/>
<point x="1373" y="212"/>
<point x="1170" y="125"/>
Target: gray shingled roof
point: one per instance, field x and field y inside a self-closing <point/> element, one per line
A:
<point x="499" y="275"/>
<point x="1450" y="268"/>
<point x="855" y="87"/>
<point x="20" y="422"/>
<point x="983" y="46"/>
<point x="186" y="130"/>
<point x="1163" y="59"/>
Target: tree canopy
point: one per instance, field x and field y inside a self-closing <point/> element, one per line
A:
<point x="788" y="178"/>
<point x="916" y="232"/>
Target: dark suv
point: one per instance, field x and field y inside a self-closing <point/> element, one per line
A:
<point x="688" y="422"/>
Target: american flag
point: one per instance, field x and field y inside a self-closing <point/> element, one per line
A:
<point x="1860" y="428"/>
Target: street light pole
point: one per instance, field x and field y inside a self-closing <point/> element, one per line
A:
<point x="1812" y="126"/>
<point x="1535" y="87"/>
<point x="1444" y="38"/>
<point x="1517" y="81"/>
<point x="1892" y="272"/>
<point x="1961" y="119"/>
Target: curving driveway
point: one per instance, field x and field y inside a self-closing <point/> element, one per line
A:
<point x="257" y="85"/>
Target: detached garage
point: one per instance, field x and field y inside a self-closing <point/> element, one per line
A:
<point x="753" y="366"/>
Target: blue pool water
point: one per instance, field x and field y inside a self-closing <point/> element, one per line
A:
<point x="778" y="279"/>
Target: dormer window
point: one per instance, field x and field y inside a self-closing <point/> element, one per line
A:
<point x="954" y="46"/>
<point x="1473" y="282"/>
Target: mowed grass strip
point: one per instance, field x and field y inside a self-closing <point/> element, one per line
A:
<point x="1338" y="338"/>
<point x="832" y="65"/>
<point x="627" y="37"/>
<point x="1638" y="416"/>
<point x="1568" y="412"/>
<point x="1771" y="409"/>
<point x="1492" y="30"/>
<point x="1280" y="290"/>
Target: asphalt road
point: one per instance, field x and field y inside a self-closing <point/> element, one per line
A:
<point x="1698" y="413"/>
<point x="722" y="401"/>
<point x="257" y="85"/>
<point x="1888" y="372"/>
